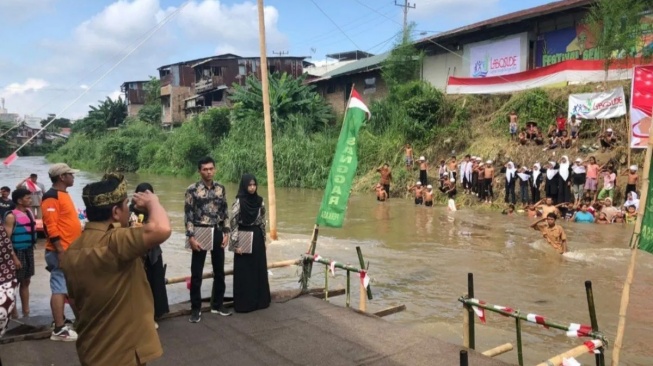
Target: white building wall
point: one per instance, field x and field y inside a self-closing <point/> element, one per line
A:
<point x="437" y="69"/>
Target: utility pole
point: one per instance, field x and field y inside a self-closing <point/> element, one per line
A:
<point x="406" y="5"/>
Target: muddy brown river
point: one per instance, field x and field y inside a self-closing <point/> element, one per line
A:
<point x="420" y="257"/>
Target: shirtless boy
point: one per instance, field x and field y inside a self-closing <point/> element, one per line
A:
<point x="488" y="173"/>
<point x="386" y="177"/>
<point x="419" y="192"/>
<point x="428" y="196"/>
<point x="423" y="167"/>
<point x="633" y="178"/>
<point x="381" y="194"/>
<point x="408" y="156"/>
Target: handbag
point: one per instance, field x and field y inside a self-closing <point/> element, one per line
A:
<point x="242" y="240"/>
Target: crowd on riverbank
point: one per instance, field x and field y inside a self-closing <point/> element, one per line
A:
<point x="109" y="267"/>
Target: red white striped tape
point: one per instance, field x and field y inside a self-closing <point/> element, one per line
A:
<point x="365" y="279"/>
<point x="593" y="345"/>
<point x="332" y="268"/>
<point x="579" y="330"/>
<point x="480" y="312"/>
<point x="538" y="319"/>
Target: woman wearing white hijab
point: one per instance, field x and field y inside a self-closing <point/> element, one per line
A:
<point x="511" y="181"/>
<point x="632" y="200"/>
<point x="564" y="181"/>
<point x="536" y="182"/>
<point x="551" y="183"/>
<point x="578" y="178"/>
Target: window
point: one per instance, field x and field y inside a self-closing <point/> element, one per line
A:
<point x="331" y="88"/>
<point x="272" y="69"/>
<point x="370" y="86"/>
<point x="241" y="70"/>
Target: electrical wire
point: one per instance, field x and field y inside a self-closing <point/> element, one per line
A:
<point x="336" y="24"/>
<point x="159" y="25"/>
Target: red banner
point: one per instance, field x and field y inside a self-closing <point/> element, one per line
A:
<point x="641" y="106"/>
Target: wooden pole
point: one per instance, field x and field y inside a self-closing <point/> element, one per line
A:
<point x="362" y="306"/>
<point x="265" y="90"/>
<point x="630" y="136"/>
<point x="634" y="243"/>
<point x="498" y="350"/>
<point x="574" y="352"/>
<point x="465" y="326"/>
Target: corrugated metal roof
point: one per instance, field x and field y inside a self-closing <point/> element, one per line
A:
<point x="510" y="18"/>
<point x="366" y="64"/>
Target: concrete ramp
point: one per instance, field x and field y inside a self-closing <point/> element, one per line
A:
<point x="301" y="331"/>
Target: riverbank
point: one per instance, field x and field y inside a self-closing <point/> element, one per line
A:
<point x="460" y="125"/>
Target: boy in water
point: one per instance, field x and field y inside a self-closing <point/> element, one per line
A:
<point x="386" y="177"/>
<point x="633" y="178"/>
<point x="419" y="191"/>
<point x="428" y="196"/>
<point x="408" y="157"/>
<point x="381" y="194"/>
<point x="513" y="120"/>
<point x="553" y="233"/>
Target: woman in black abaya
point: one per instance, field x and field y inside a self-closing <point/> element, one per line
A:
<point x="153" y="262"/>
<point x="551" y="182"/>
<point x="251" y="287"/>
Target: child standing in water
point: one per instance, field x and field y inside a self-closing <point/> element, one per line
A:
<point x="489" y="179"/>
<point x="381" y="194"/>
<point x="418" y="190"/>
<point x="428" y="196"/>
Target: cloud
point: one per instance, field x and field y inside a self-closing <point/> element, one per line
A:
<point x="74" y="63"/>
<point x="450" y="9"/>
<point x="18" y="11"/>
<point x="233" y="29"/>
<point x="30" y="85"/>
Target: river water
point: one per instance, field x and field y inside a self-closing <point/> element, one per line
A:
<point x="420" y="257"/>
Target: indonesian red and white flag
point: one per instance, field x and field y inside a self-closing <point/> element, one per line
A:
<point x="480" y="312"/>
<point x="10" y="159"/>
<point x="31" y="186"/>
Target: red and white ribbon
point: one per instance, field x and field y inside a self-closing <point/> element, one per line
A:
<point x="593" y="345"/>
<point x="579" y="330"/>
<point x="10" y="159"/>
<point x="570" y="362"/>
<point x="332" y="268"/>
<point x="504" y="309"/>
<point x="480" y="312"/>
<point x="365" y="279"/>
<point x="316" y="258"/>
<point x="538" y="319"/>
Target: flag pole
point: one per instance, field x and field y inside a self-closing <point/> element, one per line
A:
<point x="265" y="90"/>
<point x="634" y="243"/>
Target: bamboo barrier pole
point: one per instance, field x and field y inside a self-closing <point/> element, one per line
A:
<point x="229" y="272"/>
<point x="362" y="263"/>
<point x="519" y="315"/>
<point x="362" y="306"/>
<point x="574" y="352"/>
<point x="499" y="350"/>
<point x="390" y="311"/>
<point x="634" y="244"/>
<point x="265" y="90"/>
<point x="465" y="327"/>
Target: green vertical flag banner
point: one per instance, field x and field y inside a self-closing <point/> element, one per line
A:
<point x="345" y="162"/>
<point x="646" y="232"/>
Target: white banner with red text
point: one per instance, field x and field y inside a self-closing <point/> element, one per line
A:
<point x="604" y="105"/>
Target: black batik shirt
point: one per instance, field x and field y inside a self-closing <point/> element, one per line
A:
<point x="206" y="206"/>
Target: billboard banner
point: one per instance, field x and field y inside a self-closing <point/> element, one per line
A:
<point x="501" y="57"/>
<point x="578" y="43"/>
<point x="608" y="104"/>
<point x="641" y="106"/>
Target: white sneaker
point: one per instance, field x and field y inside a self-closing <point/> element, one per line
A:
<point x="64" y="335"/>
<point x="156" y="325"/>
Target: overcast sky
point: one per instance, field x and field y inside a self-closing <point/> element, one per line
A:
<point x="53" y="50"/>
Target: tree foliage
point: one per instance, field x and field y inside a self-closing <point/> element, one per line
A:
<point x="618" y="29"/>
<point x="107" y="114"/>
<point x="288" y="97"/>
<point x="404" y="63"/>
<point x="57" y="123"/>
<point x="151" y="112"/>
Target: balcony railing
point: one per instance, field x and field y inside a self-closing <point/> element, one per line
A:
<point x="208" y="84"/>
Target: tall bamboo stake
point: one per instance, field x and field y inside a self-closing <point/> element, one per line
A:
<point x="265" y="90"/>
<point x="634" y="243"/>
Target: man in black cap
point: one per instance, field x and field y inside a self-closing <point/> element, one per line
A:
<point x="105" y="276"/>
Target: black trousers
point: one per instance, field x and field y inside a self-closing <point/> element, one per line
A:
<point x="535" y="194"/>
<point x="422" y="178"/>
<point x="197" y="268"/>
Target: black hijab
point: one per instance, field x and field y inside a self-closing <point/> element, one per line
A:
<point x="250" y="203"/>
<point x="139" y="189"/>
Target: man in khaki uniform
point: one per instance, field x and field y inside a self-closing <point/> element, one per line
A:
<point x="553" y="233"/>
<point x="105" y="276"/>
